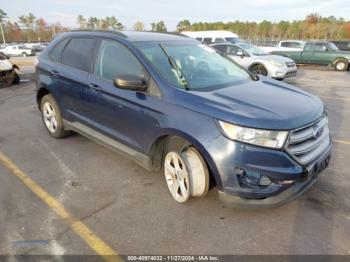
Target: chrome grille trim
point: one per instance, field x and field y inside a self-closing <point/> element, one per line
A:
<point x="307" y="143"/>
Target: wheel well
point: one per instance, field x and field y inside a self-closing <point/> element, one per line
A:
<point x="40" y="94"/>
<point x="337" y="59"/>
<point x="255" y="64"/>
<point x="157" y="154"/>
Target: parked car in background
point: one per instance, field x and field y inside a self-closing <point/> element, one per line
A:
<point x="17" y="50"/>
<point x="213" y="36"/>
<point x="285" y="45"/>
<point x="319" y="53"/>
<point x="258" y="61"/>
<point x="343" y="45"/>
<point x="8" y="72"/>
<point x="177" y="106"/>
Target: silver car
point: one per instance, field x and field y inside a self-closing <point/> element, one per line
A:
<point x="258" y="61"/>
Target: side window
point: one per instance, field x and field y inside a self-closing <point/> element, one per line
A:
<point x="220" y="48"/>
<point x="219" y="39"/>
<point x="232" y="49"/>
<point x="199" y="39"/>
<point x="285" y="44"/>
<point x="56" y="52"/>
<point x="207" y="40"/>
<point x="308" y="47"/>
<point x="77" y="53"/>
<point x="297" y="45"/>
<point x="115" y="59"/>
<point x="320" y="47"/>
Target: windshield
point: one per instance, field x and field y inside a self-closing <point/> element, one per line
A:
<point x="332" y="47"/>
<point x="192" y="65"/>
<point x="254" y="50"/>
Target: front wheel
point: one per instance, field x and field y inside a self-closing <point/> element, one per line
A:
<point x="259" y="70"/>
<point x="24" y="54"/>
<point x="341" y="65"/>
<point x="186" y="173"/>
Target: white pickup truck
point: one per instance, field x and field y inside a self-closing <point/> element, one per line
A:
<point x="285" y="45"/>
<point x="17" y="50"/>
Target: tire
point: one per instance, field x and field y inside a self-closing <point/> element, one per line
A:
<point x="186" y="172"/>
<point x="24" y="54"/>
<point x="51" y="117"/>
<point x="16" y="80"/>
<point x="259" y="70"/>
<point x="341" y="65"/>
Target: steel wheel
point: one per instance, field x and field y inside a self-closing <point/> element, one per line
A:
<point x="176" y="176"/>
<point x="50" y="118"/>
<point x="340" y="66"/>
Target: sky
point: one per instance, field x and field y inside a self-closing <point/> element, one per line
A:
<point x="172" y="11"/>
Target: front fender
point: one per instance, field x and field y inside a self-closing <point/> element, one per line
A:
<point x="167" y="132"/>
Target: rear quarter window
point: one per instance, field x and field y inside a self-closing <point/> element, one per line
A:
<point x="78" y="53"/>
<point x="56" y="52"/>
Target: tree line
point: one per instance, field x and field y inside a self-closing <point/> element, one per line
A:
<point x="29" y="28"/>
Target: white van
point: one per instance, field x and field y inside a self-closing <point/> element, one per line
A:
<point x="213" y="36"/>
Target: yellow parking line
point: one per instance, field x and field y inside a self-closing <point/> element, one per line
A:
<point x="332" y="97"/>
<point x="95" y="243"/>
<point x="341" y="141"/>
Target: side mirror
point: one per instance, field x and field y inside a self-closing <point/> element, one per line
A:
<point x="131" y="82"/>
<point x="240" y="53"/>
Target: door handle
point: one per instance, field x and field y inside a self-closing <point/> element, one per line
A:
<point x="55" y="73"/>
<point x="95" y="87"/>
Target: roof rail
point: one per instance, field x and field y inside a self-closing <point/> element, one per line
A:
<point x="100" y="31"/>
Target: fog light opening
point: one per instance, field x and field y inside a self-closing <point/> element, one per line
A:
<point x="253" y="179"/>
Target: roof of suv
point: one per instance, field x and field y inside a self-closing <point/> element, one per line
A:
<point x="134" y="36"/>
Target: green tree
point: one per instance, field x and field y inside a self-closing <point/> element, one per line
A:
<point x="81" y="21"/>
<point x="92" y="22"/>
<point x="183" y="25"/>
<point x="158" y="26"/>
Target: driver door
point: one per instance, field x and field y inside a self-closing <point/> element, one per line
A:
<point x="322" y="56"/>
<point x="239" y="55"/>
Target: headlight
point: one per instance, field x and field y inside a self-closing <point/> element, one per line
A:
<point x="260" y="137"/>
<point x="277" y="64"/>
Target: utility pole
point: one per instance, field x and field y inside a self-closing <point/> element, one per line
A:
<point x="2" y="32"/>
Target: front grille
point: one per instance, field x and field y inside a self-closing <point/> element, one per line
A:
<point x="290" y="64"/>
<point x="308" y="143"/>
<point x="291" y="74"/>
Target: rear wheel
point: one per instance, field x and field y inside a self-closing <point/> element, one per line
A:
<point x="52" y="117"/>
<point x="185" y="170"/>
<point x="259" y="70"/>
<point x="24" y="54"/>
<point x="341" y="65"/>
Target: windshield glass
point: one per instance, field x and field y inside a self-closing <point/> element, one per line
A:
<point x="254" y="50"/>
<point x="332" y="47"/>
<point x="192" y="65"/>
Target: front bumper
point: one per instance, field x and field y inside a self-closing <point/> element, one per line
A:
<point x="282" y="195"/>
<point x="284" y="72"/>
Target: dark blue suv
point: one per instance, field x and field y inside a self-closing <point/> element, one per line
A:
<point x="176" y="105"/>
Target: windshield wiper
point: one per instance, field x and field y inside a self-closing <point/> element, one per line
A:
<point x="181" y="75"/>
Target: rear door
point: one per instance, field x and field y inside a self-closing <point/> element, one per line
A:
<point x="71" y="76"/>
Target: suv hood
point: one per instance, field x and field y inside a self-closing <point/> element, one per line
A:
<point x="277" y="58"/>
<point x="265" y="104"/>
